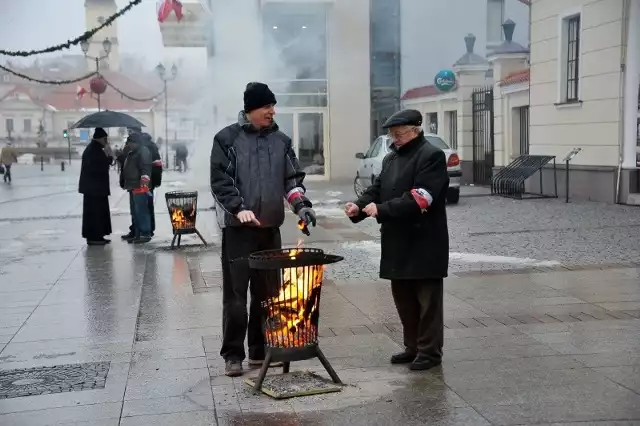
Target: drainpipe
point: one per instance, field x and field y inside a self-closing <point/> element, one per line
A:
<point x="623" y="66"/>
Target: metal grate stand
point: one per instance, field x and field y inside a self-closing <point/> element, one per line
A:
<point x="183" y="210"/>
<point x="292" y="306"/>
<point x="510" y="181"/>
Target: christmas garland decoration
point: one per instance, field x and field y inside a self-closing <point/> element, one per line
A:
<point x="84" y="37"/>
<point x="52" y="82"/>
<point x="121" y="93"/>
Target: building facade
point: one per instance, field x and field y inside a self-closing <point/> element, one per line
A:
<point x="96" y="11"/>
<point x="585" y="79"/>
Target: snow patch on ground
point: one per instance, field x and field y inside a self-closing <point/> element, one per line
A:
<point x="373" y="247"/>
<point x="329" y="211"/>
<point x="334" y="193"/>
<point x="44" y="233"/>
<point x="175" y="184"/>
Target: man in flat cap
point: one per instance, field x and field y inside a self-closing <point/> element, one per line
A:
<point x="253" y="170"/>
<point x="408" y="200"/>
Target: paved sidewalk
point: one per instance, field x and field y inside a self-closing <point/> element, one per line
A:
<point x="131" y="335"/>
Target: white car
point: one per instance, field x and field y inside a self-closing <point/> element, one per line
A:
<point x="371" y="165"/>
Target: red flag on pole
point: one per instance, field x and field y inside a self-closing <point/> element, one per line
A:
<point x="164" y="10"/>
<point x="80" y="92"/>
<point x="168" y="6"/>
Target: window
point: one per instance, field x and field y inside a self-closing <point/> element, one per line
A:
<point x="437" y="142"/>
<point x="495" y="18"/>
<point x="432" y="122"/>
<point x="453" y="129"/>
<point x="27" y="125"/>
<point x="9" y="124"/>
<point x="375" y="148"/>
<point x="570" y="73"/>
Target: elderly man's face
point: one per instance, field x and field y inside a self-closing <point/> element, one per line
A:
<point x="402" y="134"/>
<point x="262" y="117"/>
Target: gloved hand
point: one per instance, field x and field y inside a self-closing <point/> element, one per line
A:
<point x="307" y="215"/>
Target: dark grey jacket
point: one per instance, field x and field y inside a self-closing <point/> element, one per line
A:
<point x="136" y="164"/>
<point x="254" y="170"/>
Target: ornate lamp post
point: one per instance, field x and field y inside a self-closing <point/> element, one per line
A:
<point x="97" y="84"/>
<point x="162" y="72"/>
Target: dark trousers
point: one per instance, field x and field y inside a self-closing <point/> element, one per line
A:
<point x="7" y="172"/>
<point x="420" y="307"/>
<point x="140" y="215"/>
<point x="237" y="278"/>
<point x="152" y="213"/>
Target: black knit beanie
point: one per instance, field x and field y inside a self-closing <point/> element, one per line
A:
<point x="258" y="95"/>
<point x="99" y="133"/>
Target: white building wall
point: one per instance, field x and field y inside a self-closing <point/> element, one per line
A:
<point x="594" y="123"/>
<point x="349" y="86"/>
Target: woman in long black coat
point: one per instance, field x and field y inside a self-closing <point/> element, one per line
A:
<point x="94" y="185"/>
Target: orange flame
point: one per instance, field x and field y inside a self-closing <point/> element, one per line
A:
<point x="180" y="220"/>
<point x="290" y="312"/>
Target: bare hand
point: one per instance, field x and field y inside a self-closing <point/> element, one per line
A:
<point x="371" y="210"/>
<point x="247" y="216"/>
<point x="351" y="209"/>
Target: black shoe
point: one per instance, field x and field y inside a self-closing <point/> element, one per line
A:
<point x="233" y="368"/>
<point x="127" y="237"/>
<point x="96" y="243"/>
<point x="422" y="363"/>
<point x="141" y="240"/>
<point x="403" y="357"/>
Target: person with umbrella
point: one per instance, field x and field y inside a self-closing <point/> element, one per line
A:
<point x="94" y="186"/>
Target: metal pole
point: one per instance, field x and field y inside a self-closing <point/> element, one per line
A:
<point x="69" y="146"/>
<point x="166" y="123"/>
<point x="98" y="71"/>
<point x="567" y="181"/>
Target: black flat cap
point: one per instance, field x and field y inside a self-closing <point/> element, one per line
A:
<point x="407" y="117"/>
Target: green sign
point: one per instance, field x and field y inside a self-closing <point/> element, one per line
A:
<point x="445" y="80"/>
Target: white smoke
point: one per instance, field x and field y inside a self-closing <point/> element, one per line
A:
<point x="241" y="55"/>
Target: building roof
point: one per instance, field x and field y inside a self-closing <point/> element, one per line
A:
<point x="422" y="92"/>
<point x="33" y="97"/>
<point x="517" y="77"/>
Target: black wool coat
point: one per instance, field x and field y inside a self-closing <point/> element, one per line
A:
<point x="94" y="173"/>
<point x="414" y="239"/>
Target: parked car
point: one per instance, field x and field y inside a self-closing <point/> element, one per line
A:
<point x="371" y="165"/>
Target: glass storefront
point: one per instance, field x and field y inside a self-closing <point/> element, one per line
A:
<point x="385" y="62"/>
<point x="295" y="40"/>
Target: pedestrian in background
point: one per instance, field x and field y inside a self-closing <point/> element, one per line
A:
<point x="144" y="139"/>
<point x="94" y="186"/>
<point x="408" y="200"/>
<point x="7" y="158"/>
<point x="253" y="169"/>
<point x="135" y="178"/>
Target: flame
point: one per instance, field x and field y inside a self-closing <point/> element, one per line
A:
<point x="180" y="220"/>
<point x="289" y="315"/>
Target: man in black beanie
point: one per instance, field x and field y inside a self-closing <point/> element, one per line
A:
<point x="253" y="168"/>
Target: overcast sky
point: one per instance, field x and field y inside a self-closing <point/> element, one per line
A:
<point x="31" y="24"/>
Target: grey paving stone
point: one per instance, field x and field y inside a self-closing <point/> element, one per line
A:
<point x="183" y="403"/>
<point x="90" y="414"/>
<point x="191" y="418"/>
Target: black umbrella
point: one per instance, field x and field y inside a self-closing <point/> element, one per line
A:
<point x="106" y="119"/>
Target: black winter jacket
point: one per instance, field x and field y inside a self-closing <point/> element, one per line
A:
<point x="254" y="170"/>
<point x="410" y="195"/>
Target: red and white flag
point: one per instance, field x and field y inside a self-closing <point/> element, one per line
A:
<point x="166" y="7"/>
<point x="80" y="92"/>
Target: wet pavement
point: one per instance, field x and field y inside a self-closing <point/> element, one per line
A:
<point x="542" y="313"/>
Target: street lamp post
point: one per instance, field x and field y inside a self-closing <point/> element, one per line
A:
<point x="162" y="72"/>
<point x="106" y="47"/>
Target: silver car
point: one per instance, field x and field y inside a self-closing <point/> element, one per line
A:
<point x="371" y="165"/>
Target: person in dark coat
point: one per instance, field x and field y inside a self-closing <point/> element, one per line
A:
<point x="253" y="170"/>
<point x="408" y="200"/>
<point x="94" y="186"/>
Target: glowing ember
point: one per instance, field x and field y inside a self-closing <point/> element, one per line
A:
<point x="290" y="319"/>
<point x="182" y="218"/>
